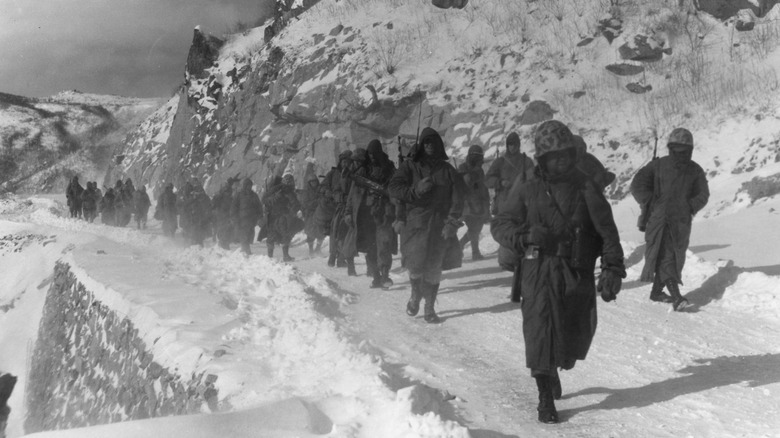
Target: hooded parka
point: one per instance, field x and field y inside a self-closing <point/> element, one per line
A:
<point x="422" y="243"/>
<point x="675" y="190"/>
<point x="246" y="213"/>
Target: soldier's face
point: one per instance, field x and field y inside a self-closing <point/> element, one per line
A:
<point x="559" y="162"/>
<point x="513" y="148"/>
<point x="681" y="154"/>
<point x="428" y="146"/>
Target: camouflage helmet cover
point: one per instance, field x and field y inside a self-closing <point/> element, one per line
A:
<point x="680" y="136"/>
<point x="551" y="136"/>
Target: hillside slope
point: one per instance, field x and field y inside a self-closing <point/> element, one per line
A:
<point x="47" y="141"/>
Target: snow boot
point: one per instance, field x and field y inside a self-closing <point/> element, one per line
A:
<point x="413" y="305"/>
<point x="476" y="255"/>
<point x="547" y="412"/>
<point x="429" y="293"/>
<point x="318" y="248"/>
<point x="332" y="260"/>
<point x="270" y="251"/>
<point x="286" y="254"/>
<point x="679" y="303"/>
<point x="386" y="281"/>
<point x="351" y="267"/>
<point x="557" y="390"/>
<point x="657" y="292"/>
<point x="377" y="282"/>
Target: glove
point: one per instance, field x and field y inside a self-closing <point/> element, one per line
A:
<point x="398" y="226"/>
<point x="609" y="284"/>
<point x="537" y="235"/>
<point x="449" y="231"/>
<point x="423" y="186"/>
<point x="300" y="214"/>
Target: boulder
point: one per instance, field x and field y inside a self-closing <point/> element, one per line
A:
<point x="638" y="88"/>
<point x="624" y="69"/>
<point x="643" y="48"/>
<point x="537" y="111"/>
<point x="446" y="4"/>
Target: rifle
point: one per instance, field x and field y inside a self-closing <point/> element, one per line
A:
<point x="372" y="186"/>
<point x="644" y="209"/>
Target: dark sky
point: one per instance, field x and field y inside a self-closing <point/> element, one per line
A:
<point x="135" y="48"/>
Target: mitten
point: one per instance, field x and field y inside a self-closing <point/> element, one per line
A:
<point x="537" y="235"/>
<point x="609" y="284"/>
<point x="423" y="186"/>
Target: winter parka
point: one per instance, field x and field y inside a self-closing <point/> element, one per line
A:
<point x="675" y="192"/>
<point x="558" y="301"/>
<point x="476" y="205"/>
<point x="167" y="210"/>
<point x="422" y="243"/>
<point x="282" y="205"/>
<point x="246" y="212"/>
<point x="505" y="170"/>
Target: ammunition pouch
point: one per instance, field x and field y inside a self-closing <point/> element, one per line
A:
<point x="582" y="249"/>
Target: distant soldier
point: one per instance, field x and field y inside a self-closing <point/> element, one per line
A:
<point x="283" y="223"/>
<point x="89" y="202"/>
<point x="73" y="195"/>
<point x="310" y="200"/>
<point x="107" y="208"/>
<point x="562" y="223"/>
<point x="141" y="204"/>
<point x="504" y="170"/>
<point x="123" y="202"/>
<point x="167" y="210"/>
<point x="333" y="197"/>
<point x="674" y="188"/>
<point x="591" y="166"/>
<point x="476" y="206"/>
<point x="199" y="211"/>
<point x="246" y="212"/>
<point x="221" y="206"/>
<point x="370" y="214"/>
<point x="432" y="192"/>
<point x="513" y="167"/>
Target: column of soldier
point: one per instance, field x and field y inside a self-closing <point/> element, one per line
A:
<point x="550" y="217"/>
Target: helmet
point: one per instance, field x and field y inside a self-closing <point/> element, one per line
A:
<point x="680" y="136"/>
<point x="476" y="150"/>
<point x="550" y="136"/>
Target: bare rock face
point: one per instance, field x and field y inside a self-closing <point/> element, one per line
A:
<point x="644" y="48"/>
<point x="536" y="112"/>
<point x="624" y="69"/>
<point x="204" y="51"/>
<point x="725" y="9"/>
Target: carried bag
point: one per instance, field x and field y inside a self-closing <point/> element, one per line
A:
<point x="453" y="254"/>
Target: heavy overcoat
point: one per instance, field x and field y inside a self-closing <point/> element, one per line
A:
<point x="422" y="243"/>
<point x="310" y="201"/>
<point x="558" y="301"/>
<point x="363" y="207"/>
<point x="476" y="203"/>
<point x="675" y="192"/>
<point x="282" y="204"/>
<point x="507" y="169"/>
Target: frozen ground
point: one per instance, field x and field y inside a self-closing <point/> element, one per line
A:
<point x="308" y="332"/>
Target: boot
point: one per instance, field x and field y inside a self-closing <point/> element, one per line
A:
<point x="547" y="412"/>
<point x="557" y="390"/>
<point x="464" y="240"/>
<point x="657" y="292"/>
<point x="340" y="262"/>
<point x="386" y="281"/>
<point x="475" y="254"/>
<point x="270" y="251"/>
<point x="413" y="305"/>
<point x="286" y="253"/>
<point x="429" y="292"/>
<point x="679" y="302"/>
<point x="318" y="248"/>
<point x="351" y="267"/>
<point x="377" y="282"/>
<point x="371" y="269"/>
<point x="332" y="260"/>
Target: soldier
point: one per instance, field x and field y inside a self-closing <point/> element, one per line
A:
<point x="167" y="210"/>
<point x="674" y="188"/>
<point x="221" y="207"/>
<point x="476" y="206"/>
<point x="432" y="192"/>
<point x="182" y="199"/>
<point x="107" y="208"/>
<point x="246" y="212"/>
<point x="89" y="202"/>
<point x="333" y="197"/>
<point x="370" y="214"/>
<point x="124" y="202"/>
<point x="561" y="222"/>
<point x="73" y="194"/>
<point x="141" y="204"/>
<point x="310" y="200"/>
<point x="591" y="166"/>
<point x="282" y="205"/>
<point x="514" y="166"/>
<point x="199" y="212"/>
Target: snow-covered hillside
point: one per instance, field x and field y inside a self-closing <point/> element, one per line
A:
<point x="345" y="72"/>
<point x="46" y="141"/>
